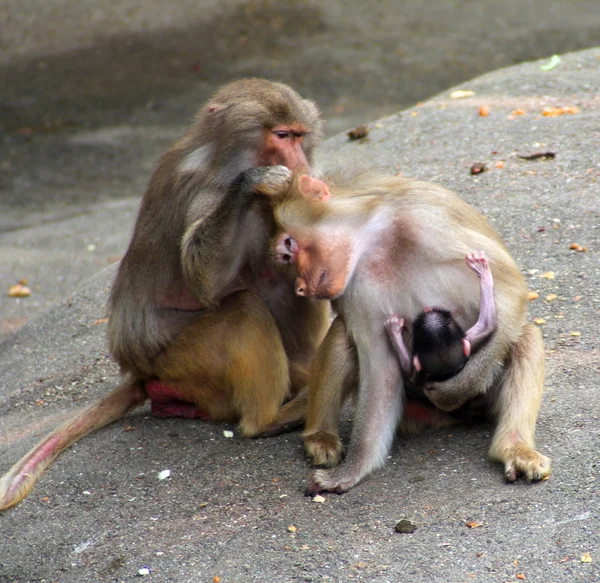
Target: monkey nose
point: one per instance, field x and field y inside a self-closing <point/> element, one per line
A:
<point x="300" y="287"/>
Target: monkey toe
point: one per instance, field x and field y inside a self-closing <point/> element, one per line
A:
<point x="522" y="460"/>
<point x="325" y="449"/>
<point x="329" y="481"/>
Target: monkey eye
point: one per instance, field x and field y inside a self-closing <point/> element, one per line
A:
<point x="282" y="135"/>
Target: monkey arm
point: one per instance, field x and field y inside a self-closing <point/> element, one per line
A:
<point x="217" y="246"/>
<point x="487" y="322"/>
<point x="394" y="326"/>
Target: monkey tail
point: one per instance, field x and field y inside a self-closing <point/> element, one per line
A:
<point x="21" y="478"/>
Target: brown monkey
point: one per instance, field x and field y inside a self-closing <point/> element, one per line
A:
<point x="199" y="322"/>
<point x="383" y="245"/>
<point x="440" y="347"/>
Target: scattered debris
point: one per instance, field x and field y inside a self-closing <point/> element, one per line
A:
<point x="100" y="321"/>
<point x="358" y="132"/>
<point x="586" y="558"/>
<point x="484" y="110"/>
<point x="556" y="111"/>
<point x="20" y="290"/>
<point x="461" y="94"/>
<point x="539" y="321"/>
<point x="548" y="275"/>
<point x="227" y="433"/>
<point x="575" y="333"/>
<point x="319" y="498"/>
<point x="532" y="295"/>
<point x="292" y="528"/>
<point x="473" y="524"/>
<point x="499" y="164"/>
<point x="519" y="111"/>
<point x="164" y="474"/>
<point x="478" y="168"/>
<point x="551" y="297"/>
<point x="538" y="156"/>
<point x="551" y="64"/>
<point x="405" y="526"/>
<point x="144" y="571"/>
<point x="577" y="247"/>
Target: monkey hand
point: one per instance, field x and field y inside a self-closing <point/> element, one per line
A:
<point x="478" y="262"/>
<point x="394" y="324"/>
<point x="519" y="459"/>
<point x="269" y="181"/>
<point x="324" y="448"/>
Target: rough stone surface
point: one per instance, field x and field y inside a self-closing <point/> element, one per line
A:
<point x="100" y="513"/>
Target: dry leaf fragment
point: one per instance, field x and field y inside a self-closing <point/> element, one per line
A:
<point x="499" y="164"/>
<point x="548" y="275"/>
<point x="577" y="247"/>
<point x="360" y="565"/>
<point x="216" y="579"/>
<point x="551" y="297"/>
<point x="586" y="558"/>
<point x="292" y="528"/>
<point x="520" y="576"/>
<point x="533" y="295"/>
<point x="19" y="291"/>
<point x="519" y="111"/>
<point x="358" y="132"/>
<point x="473" y="524"/>
<point x="556" y="111"/>
<point x="461" y="94"/>
<point x="484" y="110"/>
<point x="478" y="168"/>
<point x="539" y="321"/>
<point x="538" y="156"/>
<point x="101" y="321"/>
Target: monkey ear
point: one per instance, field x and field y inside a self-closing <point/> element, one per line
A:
<point x="313" y="188"/>
<point x="417" y="363"/>
<point x="217" y="107"/>
<point x="467" y="347"/>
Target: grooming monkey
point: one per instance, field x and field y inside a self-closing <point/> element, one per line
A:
<point x="383" y="245"/>
<point x="199" y="321"/>
<point x="440" y="347"/>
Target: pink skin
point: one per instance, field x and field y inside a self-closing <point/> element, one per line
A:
<point x="167" y="402"/>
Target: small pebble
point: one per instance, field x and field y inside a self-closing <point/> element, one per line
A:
<point x="405" y="526"/>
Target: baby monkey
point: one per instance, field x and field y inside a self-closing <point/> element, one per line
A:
<point x="440" y="347"/>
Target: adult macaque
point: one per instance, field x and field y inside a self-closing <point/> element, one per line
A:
<point x="383" y="245"/>
<point x="199" y="322"/>
<point x="440" y="347"/>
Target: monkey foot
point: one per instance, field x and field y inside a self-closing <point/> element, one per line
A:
<point x="324" y="448"/>
<point x="522" y="460"/>
<point x="336" y="481"/>
<point x="166" y="402"/>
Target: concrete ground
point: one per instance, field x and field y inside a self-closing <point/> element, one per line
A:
<point x="71" y="171"/>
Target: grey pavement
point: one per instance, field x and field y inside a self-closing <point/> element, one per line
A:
<point x="86" y="110"/>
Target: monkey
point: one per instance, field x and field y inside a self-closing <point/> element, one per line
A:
<point x="200" y="323"/>
<point x="441" y="348"/>
<point x="376" y="245"/>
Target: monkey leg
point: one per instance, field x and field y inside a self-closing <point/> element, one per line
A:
<point x="334" y="374"/>
<point x="516" y="406"/>
<point x="229" y="364"/>
<point x="21" y="478"/>
<point x="378" y="410"/>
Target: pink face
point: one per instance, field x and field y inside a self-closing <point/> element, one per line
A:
<point x="283" y="146"/>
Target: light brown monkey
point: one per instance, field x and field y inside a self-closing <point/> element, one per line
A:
<point x="199" y="322"/>
<point x="383" y="245"/>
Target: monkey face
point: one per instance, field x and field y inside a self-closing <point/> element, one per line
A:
<point x="323" y="273"/>
<point x="283" y="146"/>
